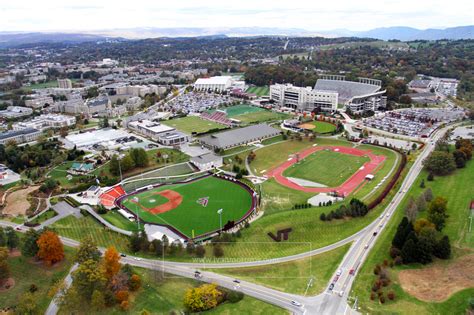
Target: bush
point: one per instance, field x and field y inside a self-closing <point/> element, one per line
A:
<point x="33" y="288"/>
<point x="430" y="177"/>
<point x="382" y="298"/>
<point x="234" y="296"/>
<point x="391" y="295"/>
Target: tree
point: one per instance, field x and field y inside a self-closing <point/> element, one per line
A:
<point x="404" y="228"/>
<point x="135" y="242"/>
<point x="430" y="177"/>
<point x="459" y="158"/>
<point x="200" y="251"/>
<point x="111" y="262"/>
<point x="30" y="247"/>
<point x="421" y="203"/>
<point x="202" y="298"/>
<point x="49" y="185"/>
<point x="87" y="250"/>
<point x="139" y="157"/>
<point x="437" y="212"/>
<point x="89" y="277"/>
<point x="135" y="282"/>
<point x="127" y="163"/>
<point x="442" y="249"/>
<point x="4" y="268"/>
<point x="422" y="223"/>
<point x="27" y="304"/>
<point x="114" y="166"/>
<point x="428" y="193"/>
<point x="63" y="132"/>
<point x="440" y="163"/>
<point x="3" y="240"/>
<point x="409" y="252"/>
<point x="411" y="210"/>
<point x="104" y="123"/>
<point x="12" y="238"/>
<point x="217" y="250"/>
<point x="97" y="300"/>
<point x="50" y="248"/>
<point x="422" y="184"/>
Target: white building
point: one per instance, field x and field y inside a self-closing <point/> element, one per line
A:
<point x="173" y="138"/>
<point x="303" y="98"/>
<point x="207" y="161"/>
<point x="215" y="84"/>
<point x="39" y="102"/>
<point x="64" y="84"/>
<point x="150" y="129"/>
<point x="19" y="136"/>
<point x="16" y="112"/>
<point x="87" y="139"/>
<point x="46" y="121"/>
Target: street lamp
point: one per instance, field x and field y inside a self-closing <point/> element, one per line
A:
<point x="135" y="200"/>
<point x="220" y="218"/>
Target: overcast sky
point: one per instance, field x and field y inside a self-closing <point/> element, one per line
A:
<point x="357" y="15"/>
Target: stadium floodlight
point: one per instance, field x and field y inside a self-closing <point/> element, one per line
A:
<point x="220" y="218"/>
<point x="136" y="200"/>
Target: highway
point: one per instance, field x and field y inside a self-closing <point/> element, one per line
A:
<point x="332" y="301"/>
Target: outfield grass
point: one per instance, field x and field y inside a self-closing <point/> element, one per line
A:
<point x="192" y="124"/>
<point x="189" y="215"/>
<point x="259" y="90"/>
<point x="241" y="109"/>
<point x="323" y="127"/>
<point x="292" y="277"/>
<point x="273" y="155"/>
<point x="326" y="167"/>
<point x="77" y="229"/>
<point x="26" y="272"/>
<point x="261" y="116"/>
<point x="457" y="188"/>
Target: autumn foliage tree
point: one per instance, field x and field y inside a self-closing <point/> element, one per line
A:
<point x="50" y="248"/>
<point x="111" y="262"/>
<point x="202" y="298"/>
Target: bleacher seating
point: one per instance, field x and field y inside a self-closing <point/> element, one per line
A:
<point x="108" y="198"/>
<point x="218" y="117"/>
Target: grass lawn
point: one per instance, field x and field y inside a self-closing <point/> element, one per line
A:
<point x="326" y="167"/>
<point x="457" y="188"/>
<point x="259" y="90"/>
<point x="48" y="214"/>
<point x="322" y="126"/>
<point x="241" y="109"/>
<point x="293" y="277"/>
<point x="261" y="116"/>
<point x="273" y="155"/>
<point x="164" y="294"/>
<point x="192" y="124"/>
<point x="190" y="215"/>
<point x="277" y="198"/>
<point x="59" y="173"/>
<point x="120" y="221"/>
<point x="26" y="272"/>
<point x="77" y="229"/>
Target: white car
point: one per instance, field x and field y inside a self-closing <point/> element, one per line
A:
<point x="137" y="258"/>
<point x="366" y="246"/>
<point x="341" y="293"/>
<point x="339" y="272"/>
<point x="295" y="303"/>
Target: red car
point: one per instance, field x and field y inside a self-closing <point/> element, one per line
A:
<point x="351" y="272"/>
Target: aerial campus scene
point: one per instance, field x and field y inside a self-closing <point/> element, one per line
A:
<point x="261" y="158"/>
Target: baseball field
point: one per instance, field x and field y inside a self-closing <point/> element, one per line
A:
<point x="191" y="208"/>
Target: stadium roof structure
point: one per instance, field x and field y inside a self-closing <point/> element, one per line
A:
<point x="347" y="90"/>
<point x="240" y="136"/>
<point x="214" y="80"/>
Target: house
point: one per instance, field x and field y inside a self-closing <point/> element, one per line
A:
<point x="207" y="161"/>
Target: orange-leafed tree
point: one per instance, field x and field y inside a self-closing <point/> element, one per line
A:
<point x="50" y="248"/>
<point x="111" y="262"/>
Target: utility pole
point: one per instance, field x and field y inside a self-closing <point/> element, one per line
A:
<point x="136" y="200"/>
<point x="220" y="218"/>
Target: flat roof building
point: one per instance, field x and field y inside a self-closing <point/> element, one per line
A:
<point x="214" y="84"/>
<point x="303" y="98"/>
<point x="239" y="136"/>
<point x="207" y="161"/>
<point x="19" y="136"/>
<point x="150" y="128"/>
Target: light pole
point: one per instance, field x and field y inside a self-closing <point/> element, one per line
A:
<point x="220" y="218"/>
<point x="135" y="200"/>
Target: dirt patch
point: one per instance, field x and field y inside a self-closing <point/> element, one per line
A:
<point x="439" y="281"/>
<point x="17" y="203"/>
<point x="307" y="126"/>
<point x="7" y="284"/>
<point x="174" y="200"/>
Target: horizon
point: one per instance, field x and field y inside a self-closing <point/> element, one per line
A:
<point x="54" y="16"/>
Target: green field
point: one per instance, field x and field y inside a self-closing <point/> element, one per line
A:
<point x="457" y="188"/>
<point x="322" y="126"/>
<point x="242" y="109"/>
<point x="326" y="167"/>
<point x="190" y="215"/>
<point x="26" y="271"/>
<point x="292" y="277"/>
<point x="261" y="116"/>
<point x="259" y="90"/>
<point x="192" y="124"/>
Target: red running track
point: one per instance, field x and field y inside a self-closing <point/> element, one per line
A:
<point x="347" y="187"/>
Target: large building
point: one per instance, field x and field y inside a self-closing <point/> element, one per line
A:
<point x="64" y="84"/>
<point x="46" y="121"/>
<point x="240" y="136"/>
<point x="207" y="161"/>
<point x="39" y="102"/>
<point x="15" y="112"/>
<point x="19" y="136"/>
<point x="328" y="93"/>
<point x="303" y="98"/>
<point x="214" y="84"/>
<point x="162" y="133"/>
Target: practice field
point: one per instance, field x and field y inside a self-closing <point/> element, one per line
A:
<point x="192" y="206"/>
<point x="259" y="90"/>
<point x="318" y="126"/>
<point x="241" y="110"/>
<point x="192" y="124"/>
<point x="326" y="167"/>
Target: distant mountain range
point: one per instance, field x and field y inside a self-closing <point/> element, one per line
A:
<point x="8" y="39"/>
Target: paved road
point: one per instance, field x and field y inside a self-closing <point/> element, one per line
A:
<point x="53" y="307"/>
<point x="336" y="301"/>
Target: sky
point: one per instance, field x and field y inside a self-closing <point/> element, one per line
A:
<point x="312" y="15"/>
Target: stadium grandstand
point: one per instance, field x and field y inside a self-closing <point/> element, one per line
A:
<point x="107" y="199"/>
<point x="218" y="116"/>
<point x="364" y="95"/>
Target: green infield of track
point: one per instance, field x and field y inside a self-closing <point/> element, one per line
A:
<point x="190" y="215"/>
<point x="326" y="167"/>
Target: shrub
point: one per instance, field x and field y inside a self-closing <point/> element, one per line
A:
<point x="124" y="305"/>
<point x="234" y="296"/>
<point x="33" y="288"/>
<point x="121" y="296"/>
<point x="382" y="298"/>
<point x="391" y="295"/>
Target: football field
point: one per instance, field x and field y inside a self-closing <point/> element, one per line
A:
<point x="191" y="206"/>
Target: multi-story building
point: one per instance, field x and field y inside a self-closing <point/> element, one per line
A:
<point x="64" y="84"/>
<point x="46" y="121"/>
<point x="214" y="84"/>
<point x="16" y="112"/>
<point x="303" y="98"/>
<point x="150" y="129"/>
<point x="19" y="136"/>
<point x="39" y="102"/>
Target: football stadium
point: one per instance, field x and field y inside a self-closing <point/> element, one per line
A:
<point x="192" y="208"/>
